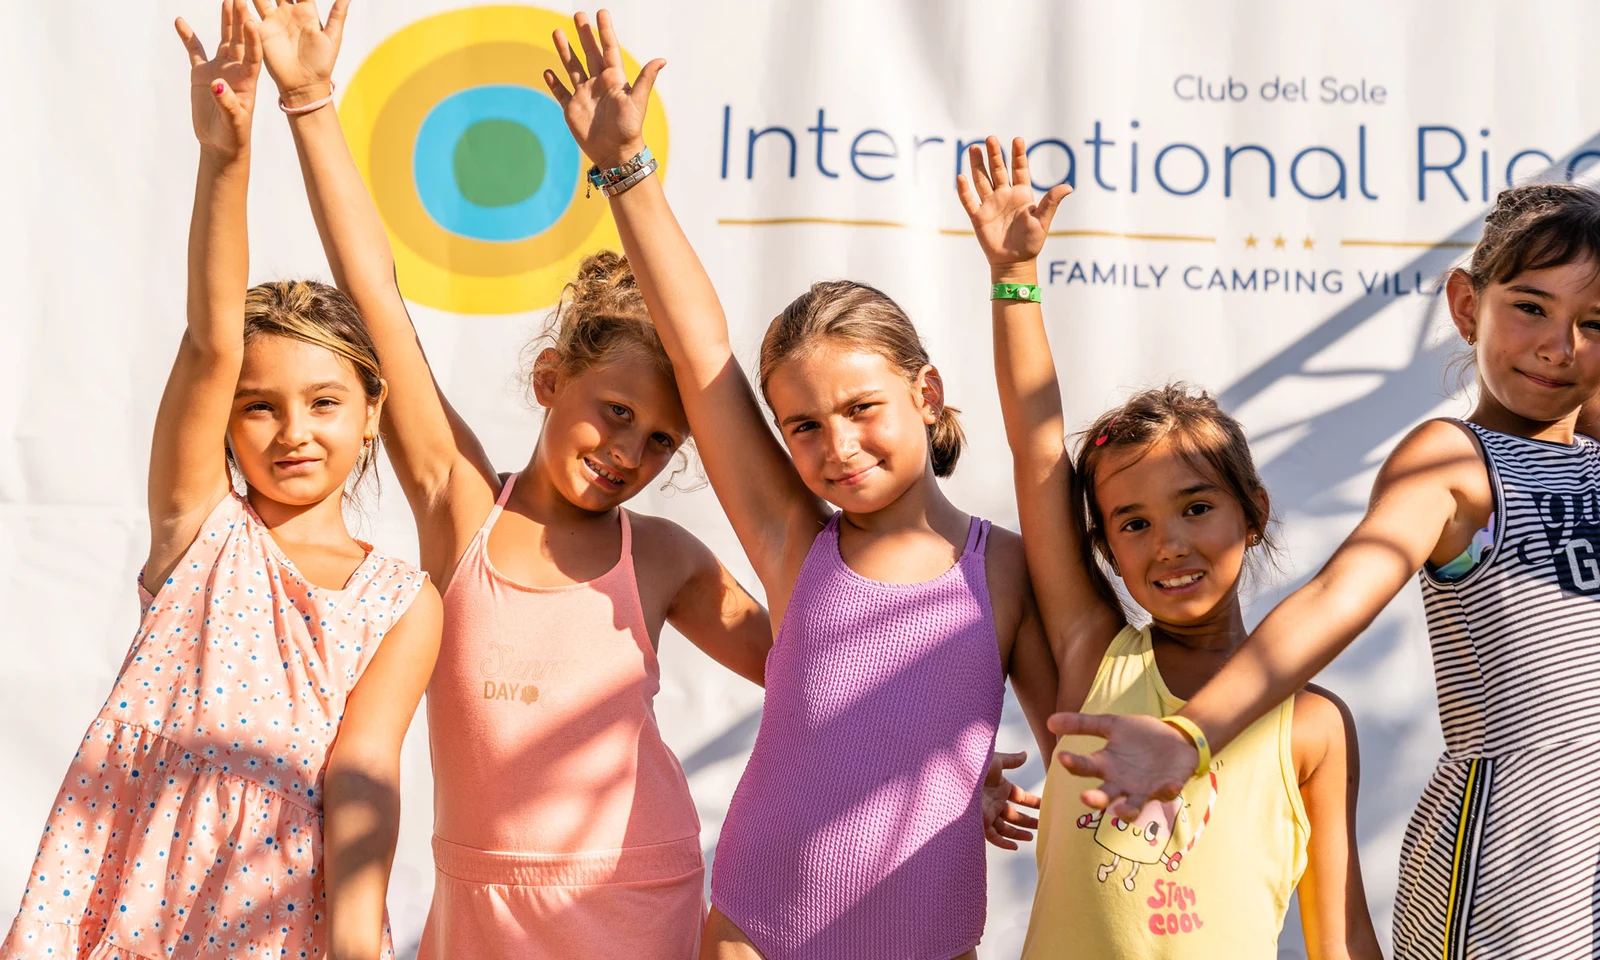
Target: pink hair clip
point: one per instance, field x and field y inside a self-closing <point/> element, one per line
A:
<point x="1100" y="441"/>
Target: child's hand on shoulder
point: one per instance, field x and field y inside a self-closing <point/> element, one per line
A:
<point x="1011" y="228"/>
<point x="222" y="89"/>
<point x="300" y="49"/>
<point x="604" y="111"/>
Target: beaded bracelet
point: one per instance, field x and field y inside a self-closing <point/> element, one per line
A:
<point x="602" y="179"/>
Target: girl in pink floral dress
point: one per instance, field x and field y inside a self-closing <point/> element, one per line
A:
<point x="238" y="796"/>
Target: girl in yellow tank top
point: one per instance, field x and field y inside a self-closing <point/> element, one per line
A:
<point x="1169" y="501"/>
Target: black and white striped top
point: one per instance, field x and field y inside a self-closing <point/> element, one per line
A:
<point x="1516" y="642"/>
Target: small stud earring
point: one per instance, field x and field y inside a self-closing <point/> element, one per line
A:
<point x="1471" y="340"/>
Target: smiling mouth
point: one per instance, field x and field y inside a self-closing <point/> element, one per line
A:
<point x="1174" y="583"/>
<point x="850" y="480"/>
<point x="289" y="463"/>
<point x="611" y="479"/>
<point x="1545" y="381"/>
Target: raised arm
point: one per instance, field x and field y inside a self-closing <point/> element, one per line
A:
<point x="188" y="463"/>
<point x="772" y="511"/>
<point x="1414" y="498"/>
<point x="441" y="466"/>
<point x="1079" y="621"/>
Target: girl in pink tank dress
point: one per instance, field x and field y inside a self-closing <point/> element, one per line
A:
<point x="857" y="830"/>
<point x="563" y="824"/>
<point x="238" y="794"/>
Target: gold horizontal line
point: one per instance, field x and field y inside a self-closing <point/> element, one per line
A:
<point x="949" y="231"/>
<point x="780" y="221"/>
<point x="1453" y="244"/>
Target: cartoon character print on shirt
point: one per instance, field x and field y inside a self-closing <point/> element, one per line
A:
<point x="1164" y="832"/>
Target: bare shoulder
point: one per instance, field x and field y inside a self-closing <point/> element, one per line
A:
<point x="667" y="554"/>
<point x="1006" y="572"/>
<point x="1323" y="728"/>
<point x="1443" y="448"/>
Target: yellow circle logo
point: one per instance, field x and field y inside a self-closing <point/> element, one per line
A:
<point x="467" y="156"/>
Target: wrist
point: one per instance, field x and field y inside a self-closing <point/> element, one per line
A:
<point x="220" y="161"/>
<point x="622" y="154"/>
<point x="1022" y="271"/>
<point x="303" y="94"/>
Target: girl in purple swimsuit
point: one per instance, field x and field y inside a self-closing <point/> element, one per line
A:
<point x="857" y="829"/>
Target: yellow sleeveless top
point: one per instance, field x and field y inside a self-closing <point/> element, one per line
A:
<point x="1206" y="875"/>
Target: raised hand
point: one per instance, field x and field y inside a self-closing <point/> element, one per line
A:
<point x="222" y="89"/>
<point x="300" y="48"/>
<point x="1143" y="760"/>
<point x="1004" y="823"/>
<point x="604" y="111"/>
<point x="1011" y="228"/>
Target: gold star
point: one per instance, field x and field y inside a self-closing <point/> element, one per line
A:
<point x="1307" y="244"/>
<point x="1250" y="242"/>
<point x="1277" y="242"/>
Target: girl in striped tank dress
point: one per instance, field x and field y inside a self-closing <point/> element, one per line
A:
<point x="1501" y="516"/>
<point x="857" y="830"/>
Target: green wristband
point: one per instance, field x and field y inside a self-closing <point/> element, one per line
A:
<point x="1016" y="291"/>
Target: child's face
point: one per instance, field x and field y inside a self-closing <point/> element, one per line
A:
<point x="609" y="430"/>
<point x="299" y="420"/>
<point x="1538" y="338"/>
<point x="1178" y="537"/>
<point x="858" y="432"/>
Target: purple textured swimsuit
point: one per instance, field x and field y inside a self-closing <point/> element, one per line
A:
<point x="857" y="829"/>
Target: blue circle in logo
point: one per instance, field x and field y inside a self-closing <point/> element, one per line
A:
<point x="496" y="163"/>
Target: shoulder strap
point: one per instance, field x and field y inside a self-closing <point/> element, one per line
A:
<point x="977" y="536"/>
<point x="505" y="490"/>
<point x="627" y="534"/>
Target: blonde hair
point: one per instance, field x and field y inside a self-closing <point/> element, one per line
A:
<point x="842" y="311"/>
<point x="601" y="312"/>
<point x="322" y="315"/>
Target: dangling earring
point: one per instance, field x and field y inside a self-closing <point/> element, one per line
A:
<point x="1471" y="340"/>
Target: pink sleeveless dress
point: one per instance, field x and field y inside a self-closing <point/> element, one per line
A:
<point x="563" y="825"/>
<point x="856" y="831"/>
<point x="190" y="821"/>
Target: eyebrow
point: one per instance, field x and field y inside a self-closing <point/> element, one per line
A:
<point x="849" y="402"/>
<point x="1530" y="291"/>
<point x="1185" y="492"/>
<point x="252" y="390"/>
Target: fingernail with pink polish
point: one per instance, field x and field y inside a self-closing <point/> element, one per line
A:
<point x="216" y="88"/>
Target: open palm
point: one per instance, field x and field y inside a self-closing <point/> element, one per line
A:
<point x="222" y="88"/>
<point x="1010" y="226"/>
<point x="603" y="110"/>
<point x="300" y="49"/>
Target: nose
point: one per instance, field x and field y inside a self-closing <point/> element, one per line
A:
<point x="628" y="451"/>
<point x="1561" y="345"/>
<point x="295" y="428"/>
<point x="843" y="442"/>
<point x="1171" y="544"/>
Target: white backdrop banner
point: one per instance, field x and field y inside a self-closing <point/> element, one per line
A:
<point x="1266" y="195"/>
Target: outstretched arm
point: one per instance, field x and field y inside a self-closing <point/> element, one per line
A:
<point x="441" y="466"/>
<point x="772" y="511"/>
<point x="361" y="786"/>
<point x="188" y="464"/>
<point x="1413" y="498"/>
<point x="1011" y="229"/>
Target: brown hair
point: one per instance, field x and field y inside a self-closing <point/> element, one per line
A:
<point x="842" y="311"/>
<point x="1209" y="438"/>
<point x="601" y="312"/>
<point x="323" y="316"/>
<point x="1534" y="227"/>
